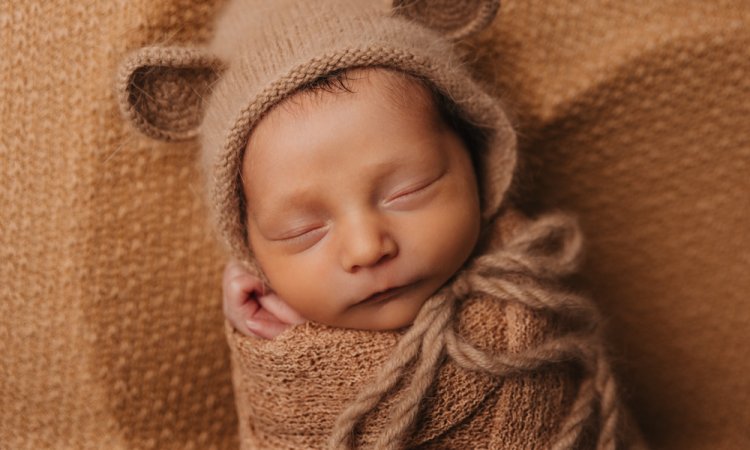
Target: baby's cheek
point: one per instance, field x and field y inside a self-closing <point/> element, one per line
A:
<point x="447" y="243"/>
<point x="306" y="288"/>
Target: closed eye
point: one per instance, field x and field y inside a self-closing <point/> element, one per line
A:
<point x="412" y="192"/>
<point x="302" y="234"/>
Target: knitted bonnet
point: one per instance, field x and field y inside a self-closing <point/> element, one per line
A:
<point x="263" y="51"/>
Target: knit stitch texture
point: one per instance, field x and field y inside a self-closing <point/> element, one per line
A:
<point x="265" y="52"/>
<point x="633" y="114"/>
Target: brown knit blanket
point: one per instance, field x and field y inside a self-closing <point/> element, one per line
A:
<point x="500" y="358"/>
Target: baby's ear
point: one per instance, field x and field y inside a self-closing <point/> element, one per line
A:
<point x="455" y="18"/>
<point x="162" y="90"/>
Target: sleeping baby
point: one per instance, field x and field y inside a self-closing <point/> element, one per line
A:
<point x="383" y="208"/>
<point x="385" y="293"/>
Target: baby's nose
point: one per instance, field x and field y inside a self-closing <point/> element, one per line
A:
<point x="366" y="243"/>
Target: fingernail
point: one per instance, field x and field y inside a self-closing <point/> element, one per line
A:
<point x="253" y="325"/>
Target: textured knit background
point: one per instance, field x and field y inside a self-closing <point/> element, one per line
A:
<point x="634" y="114"/>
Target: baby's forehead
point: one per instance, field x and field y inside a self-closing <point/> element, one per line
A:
<point x="326" y="104"/>
<point x="389" y="117"/>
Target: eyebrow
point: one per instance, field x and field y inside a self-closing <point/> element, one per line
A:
<point x="296" y="199"/>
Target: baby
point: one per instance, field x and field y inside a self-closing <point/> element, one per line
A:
<point x="358" y="174"/>
<point x="383" y="208"/>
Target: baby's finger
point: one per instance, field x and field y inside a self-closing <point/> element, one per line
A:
<point x="280" y="309"/>
<point x="266" y="329"/>
<point x="237" y="314"/>
<point x="254" y="320"/>
<point x="235" y="267"/>
<point x="237" y="290"/>
<point x="238" y="274"/>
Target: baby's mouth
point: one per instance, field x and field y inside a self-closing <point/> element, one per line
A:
<point x="382" y="296"/>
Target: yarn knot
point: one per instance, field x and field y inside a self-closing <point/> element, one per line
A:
<point x="461" y="285"/>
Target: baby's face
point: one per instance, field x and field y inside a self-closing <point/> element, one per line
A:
<point x="360" y="207"/>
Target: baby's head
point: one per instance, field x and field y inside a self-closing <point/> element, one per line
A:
<point x="357" y="199"/>
<point x="361" y="198"/>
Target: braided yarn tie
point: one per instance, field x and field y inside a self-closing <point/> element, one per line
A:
<point x="432" y="318"/>
<point x="432" y="336"/>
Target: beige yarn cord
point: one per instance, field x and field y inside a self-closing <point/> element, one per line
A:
<point x="496" y="274"/>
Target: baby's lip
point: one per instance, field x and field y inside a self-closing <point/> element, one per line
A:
<point x="385" y="294"/>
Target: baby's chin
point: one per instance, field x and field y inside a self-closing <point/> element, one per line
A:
<point x="388" y="314"/>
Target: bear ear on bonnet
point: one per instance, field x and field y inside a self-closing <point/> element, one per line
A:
<point x="455" y="19"/>
<point x="162" y="90"/>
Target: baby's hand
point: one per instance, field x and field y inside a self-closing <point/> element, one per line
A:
<point x="251" y="308"/>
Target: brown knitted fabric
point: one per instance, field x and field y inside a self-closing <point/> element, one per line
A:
<point x="110" y="321"/>
<point x="290" y="390"/>
<point x="635" y="115"/>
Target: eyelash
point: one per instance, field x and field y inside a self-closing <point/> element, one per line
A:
<point x="412" y="190"/>
<point x="294" y="234"/>
<point x="297" y="236"/>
